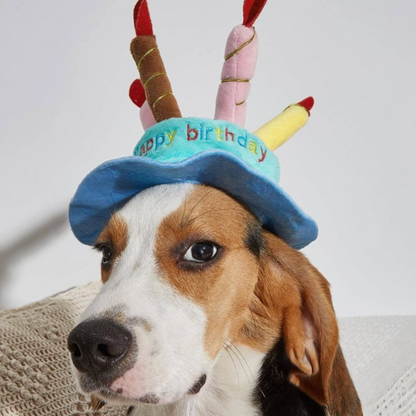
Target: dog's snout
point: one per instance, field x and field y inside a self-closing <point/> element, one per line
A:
<point x="98" y="345"/>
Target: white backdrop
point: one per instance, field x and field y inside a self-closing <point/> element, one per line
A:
<point x="64" y="108"/>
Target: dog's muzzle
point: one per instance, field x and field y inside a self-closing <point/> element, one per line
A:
<point x="100" y="348"/>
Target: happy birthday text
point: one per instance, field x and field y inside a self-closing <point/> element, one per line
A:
<point x="203" y="133"/>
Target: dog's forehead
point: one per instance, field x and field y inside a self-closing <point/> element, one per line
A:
<point x="181" y="206"/>
<point x="148" y="208"/>
<point x="207" y="214"/>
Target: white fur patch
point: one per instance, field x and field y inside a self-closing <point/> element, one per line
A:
<point x="228" y="391"/>
<point x="171" y="355"/>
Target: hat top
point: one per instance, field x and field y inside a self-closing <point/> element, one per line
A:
<point x="154" y="95"/>
<point x="217" y="152"/>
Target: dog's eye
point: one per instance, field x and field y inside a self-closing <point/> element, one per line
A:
<point x="107" y="254"/>
<point x="201" y="252"/>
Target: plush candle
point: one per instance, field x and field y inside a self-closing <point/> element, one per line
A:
<point x="239" y="66"/>
<point x="238" y="70"/>
<point x="280" y="129"/>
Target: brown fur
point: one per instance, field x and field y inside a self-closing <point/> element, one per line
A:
<point x="292" y="299"/>
<point x="343" y="399"/>
<point x="307" y="317"/>
<point x="114" y="235"/>
<point x="224" y="288"/>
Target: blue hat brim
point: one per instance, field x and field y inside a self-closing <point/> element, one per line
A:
<point x="112" y="184"/>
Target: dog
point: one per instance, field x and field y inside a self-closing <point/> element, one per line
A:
<point x="201" y="308"/>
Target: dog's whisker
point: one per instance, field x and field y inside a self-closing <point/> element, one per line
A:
<point x="248" y="366"/>
<point x="235" y="367"/>
<point x="240" y="362"/>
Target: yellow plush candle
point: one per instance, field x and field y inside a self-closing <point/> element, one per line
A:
<point x="285" y="125"/>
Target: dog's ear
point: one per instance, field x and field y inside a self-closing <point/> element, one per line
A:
<point x="299" y="297"/>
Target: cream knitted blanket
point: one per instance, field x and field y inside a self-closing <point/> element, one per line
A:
<point x="35" y="377"/>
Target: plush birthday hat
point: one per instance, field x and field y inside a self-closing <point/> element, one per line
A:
<point x="218" y="153"/>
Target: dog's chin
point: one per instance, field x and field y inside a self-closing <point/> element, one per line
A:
<point x="117" y="398"/>
<point x="110" y="397"/>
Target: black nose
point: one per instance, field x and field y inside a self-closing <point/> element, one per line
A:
<point x="98" y="345"/>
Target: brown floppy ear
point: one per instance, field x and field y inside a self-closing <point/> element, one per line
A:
<point x="309" y="328"/>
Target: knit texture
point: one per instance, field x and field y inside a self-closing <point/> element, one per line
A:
<point x="35" y="376"/>
<point x="381" y="355"/>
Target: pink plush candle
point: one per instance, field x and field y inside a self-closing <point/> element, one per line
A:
<point x="239" y="67"/>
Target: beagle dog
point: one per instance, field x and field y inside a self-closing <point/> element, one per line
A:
<point x="204" y="312"/>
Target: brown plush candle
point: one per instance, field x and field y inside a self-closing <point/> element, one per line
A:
<point x="154" y="79"/>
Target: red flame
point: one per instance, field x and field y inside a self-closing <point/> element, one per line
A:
<point x="137" y="93"/>
<point x="307" y="103"/>
<point x="252" y="10"/>
<point x="142" y="21"/>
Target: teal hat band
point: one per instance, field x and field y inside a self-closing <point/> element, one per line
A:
<point x="177" y="139"/>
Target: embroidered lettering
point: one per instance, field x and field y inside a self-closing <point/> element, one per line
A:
<point x="190" y="131"/>
<point x="149" y="145"/>
<point x="263" y="154"/>
<point x="171" y="137"/>
<point x="160" y="139"/>
<point x="207" y="132"/>
<point x="228" y="134"/>
<point x="219" y="132"/>
<point x="252" y="147"/>
<point x="242" y="140"/>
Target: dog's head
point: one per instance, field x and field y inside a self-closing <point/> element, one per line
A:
<point x="187" y="270"/>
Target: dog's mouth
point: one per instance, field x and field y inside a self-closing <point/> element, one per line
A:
<point x="109" y="396"/>
<point x="196" y="388"/>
